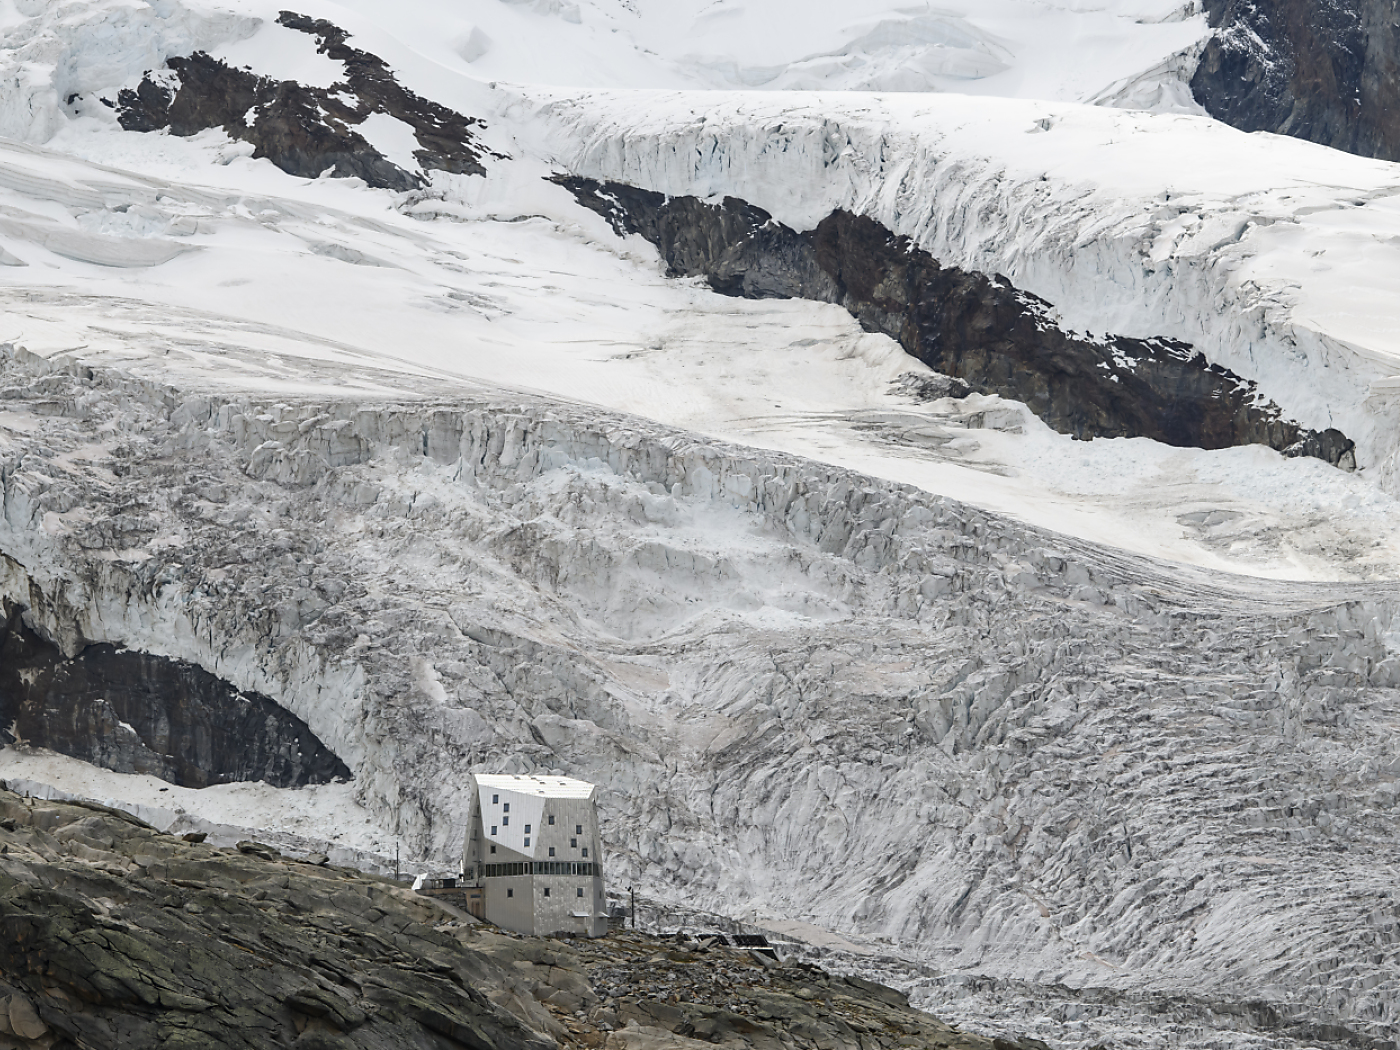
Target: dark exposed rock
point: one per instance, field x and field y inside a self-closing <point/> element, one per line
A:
<point x="1323" y="70"/>
<point x="739" y="998"/>
<point x="930" y="387"/>
<point x="116" y="936"/>
<point x="134" y="712"/>
<point x="445" y="137"/>
<point x="977" y="330"/>
<point x="147" y="108"/>
<point x="113" y="935"/>
<point x="304" y="130"/>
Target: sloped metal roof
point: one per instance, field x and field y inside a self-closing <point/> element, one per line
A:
<point x="543" y="786"/>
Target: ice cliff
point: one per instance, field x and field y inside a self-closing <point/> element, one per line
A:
<point x="834" y="699"/>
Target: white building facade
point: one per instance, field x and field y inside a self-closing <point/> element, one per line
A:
<point x="532" y="847"/>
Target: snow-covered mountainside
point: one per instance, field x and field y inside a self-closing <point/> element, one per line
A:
<point x="939" y="483"/>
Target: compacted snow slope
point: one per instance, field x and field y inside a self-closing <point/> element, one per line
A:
<point x="1057" y="50"/>
<point x="1134" y="52"/>
<point x="221" y="284"/>
<point x="463" y="480"/>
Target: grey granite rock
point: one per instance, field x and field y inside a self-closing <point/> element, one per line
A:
<point x="147" y="940"/>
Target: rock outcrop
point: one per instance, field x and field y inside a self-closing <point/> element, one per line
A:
<point x="306" y="131"/>
<point x="134" y="712"/>
<point x="977" y="329"/>
<point x="1318" y="70"/>
<point x="113" y="935"/>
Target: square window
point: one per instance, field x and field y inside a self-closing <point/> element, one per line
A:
<point x="551" y="851"/>
<point x="505" y="808"/>
<point x="510" y="893"/>
<point x="578" y="829"/>
<point x="585" y="851"/>
<point x="505" y="821"/>
<point x="573" y="843"/>
<point x="580" y="891"/>
<point x="493" y="849"/>
<point x="551" y="820"/>
<point x="495" y="800"/>
<point x="493" y="829"/>
<point x="527" y="841"/>
<point x="546" y="891"/>
<point x="527" y="829"/>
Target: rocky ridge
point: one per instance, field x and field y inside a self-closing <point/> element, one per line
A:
<point x="976" y="329"/>
<point x="306" y="131"/>
<point x="1314" y="69"/>
<point x="115" y="935"/>
<point x="1119" y="240"/>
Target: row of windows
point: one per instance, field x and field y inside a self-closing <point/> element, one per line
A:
<point x="536" y="867"/>
<point x="511" y="892"/>
<point x="505" y="822"/>
<point x="496" y="801"/>
<point x="551" y="848"/>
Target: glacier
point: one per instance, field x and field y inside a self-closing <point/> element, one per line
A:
<point x="840" y="700"/>
<point x="1089" y="739"/>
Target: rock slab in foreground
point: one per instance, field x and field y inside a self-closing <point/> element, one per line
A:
<point x="114" y="935"/>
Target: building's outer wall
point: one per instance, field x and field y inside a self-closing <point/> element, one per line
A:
<point x="557" y="913"/>
<point x="473" y="826"/>
<point x="516" y="912"/>
<point x="568" y="813"/>
<point x="525" y="812"/>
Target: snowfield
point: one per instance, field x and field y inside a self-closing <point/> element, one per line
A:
<point x="263" y="291"/>
<point x="1070" y="736"/>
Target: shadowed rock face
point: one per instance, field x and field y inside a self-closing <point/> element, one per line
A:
<point x="980" y="330"/>
<point x="304" y="130"/>
<point x="1318" y="70"/>
<point x="137" y="713"/>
